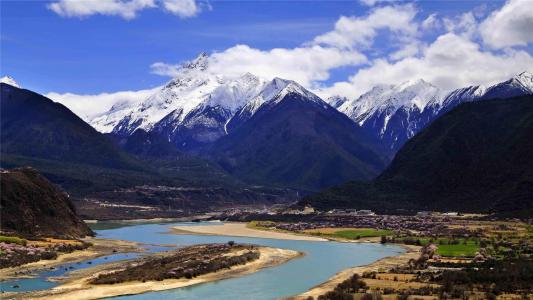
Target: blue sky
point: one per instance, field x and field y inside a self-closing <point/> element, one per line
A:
<point x="97" y="53"/>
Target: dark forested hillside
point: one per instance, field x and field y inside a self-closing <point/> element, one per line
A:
<point x="478" y="157"/>
<point x="35" y="126"/>
<point x="300" y="143"/>
<point x="37" y="132"/>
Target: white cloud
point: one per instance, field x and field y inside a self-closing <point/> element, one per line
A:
<point x="452" y="61"/>
<point x="411" y="49"/>
<point x="126" y="9"/>
<point x="512" y="25"/>
<point x="90" y="106"/>
<point x="465" y="24"/>
<point x="374" y="2"/>
<point x="454" y="58"/>
<point x="182" y="8"/>
<point x="83" y="8"/>
<point x="431" y="22"/>
<point x="164" y="69"/>
<point x="304" y="64"/>
<point x="353" y="32"/>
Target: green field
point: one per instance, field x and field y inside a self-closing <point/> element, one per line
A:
<point x="354" y="234"/>
<point x="12" y="240"/>
<point x="455" y="249"/>
<point x="351" y="234"/>
<point x="461" y="249"/>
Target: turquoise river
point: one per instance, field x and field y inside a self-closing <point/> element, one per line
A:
<point x="321" y="261"/>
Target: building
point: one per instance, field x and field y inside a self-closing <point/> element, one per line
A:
<point x="365" y="212"/>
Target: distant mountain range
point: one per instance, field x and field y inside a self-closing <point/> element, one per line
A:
<point x="37" y="132"/>
<point x="396" y="113"/>
<point x="197" y="107"/>
<point x="477" y="158"/>
<point x="296" y="139"/>
<point x="210" y="115"/>
<point x="241" y="130"/>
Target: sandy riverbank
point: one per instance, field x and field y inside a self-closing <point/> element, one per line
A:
<point x="240" y="229"/>
<point x="100" y="247"/>
<point x="79" y="289"/>
<point x="384" y="264"/>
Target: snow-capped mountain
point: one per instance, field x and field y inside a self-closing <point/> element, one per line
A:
<point x="9" y="80"/>
<point x="336" y="101"/>
<point x="183" y="93"/>
<point x="226" y="108"/>
<point x="198" y="107"/>
<point x="289" y="136"/>
<point x="395" y="113"/>
<point x="272" y="93"/>
<point x="107" y="121"/>
<point x="207" y="121"/>
<point x="518" y="85"/>
<point x="196" y="102"/>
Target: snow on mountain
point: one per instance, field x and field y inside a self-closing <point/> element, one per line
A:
<point x="9" y="80"/>
<point x="336" y="101"/>
<point x="196" y="106"/>
<point x="207" y="121"/>
<point x="236" y="93"/>
<point x="395" y="113"/>
<point x="272" y="93"/>
<point x="518" y="85"/>
<point x="389" y="98"/>
<point x="522" y="81"/>
<point x="188" y="89"/>
<point x="275" y="91"/>
<point x="461" y="95"/>
<point x="392" y="111"/>
<point x="107" y="121"/>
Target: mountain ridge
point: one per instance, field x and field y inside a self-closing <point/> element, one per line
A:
<point x="475" y="158"/>
<point x="395" y="113"/>
<point x="299" y="142"/>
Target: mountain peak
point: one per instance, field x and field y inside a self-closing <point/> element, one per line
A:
<point x="336" y="101"/>
<point x="278" y="88"/>
<point x="280" y="82"/>
<point x="525" y="74"/>
<point x="248" y="77"/>
<point x="525" y="79"/>
<point x="199" y="63"/>
<point x="9" y="80"/>
<point x="415" y="84"/>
